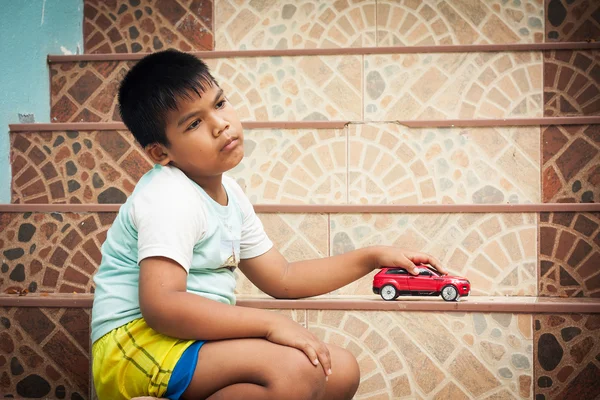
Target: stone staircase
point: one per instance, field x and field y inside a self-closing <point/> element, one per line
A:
<point x="469" y="130"/>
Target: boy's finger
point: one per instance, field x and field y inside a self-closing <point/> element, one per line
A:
<point x="310" y="353"/>
<point x="325" y="358"/>
<point x="410" y="266"/>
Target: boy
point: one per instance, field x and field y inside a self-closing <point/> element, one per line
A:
<point x="164" y="322"/>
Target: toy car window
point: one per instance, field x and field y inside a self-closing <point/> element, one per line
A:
<point x="425" y="272"/>
<point x="396" y="272"/>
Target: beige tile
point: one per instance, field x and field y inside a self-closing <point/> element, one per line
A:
<point x="290" y="24"/>
<point x="498" y="266"/>
<point x="422" y="355"/>
<point x="391" y="164"/>
<point x="292" y="88"/>
<point x="438" y="86"/>
<point x="294" y="167"/>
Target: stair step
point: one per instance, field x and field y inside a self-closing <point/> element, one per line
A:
<point x="481" y="304"/>
<point x="498" y="348"/>
<point x="498" y="253"/>
<point x="380" y="87"/>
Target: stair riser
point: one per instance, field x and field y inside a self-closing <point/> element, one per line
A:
<point x="59" y="252"/>
<point x="400" y="354"/>
<point x="360" y="164"/>
<point x="345" y="87"/>
<point x="196" y="25"/>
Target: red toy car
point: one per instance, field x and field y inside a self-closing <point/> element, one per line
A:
<point x="393" y="282"/>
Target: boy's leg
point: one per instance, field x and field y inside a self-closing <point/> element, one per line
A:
<point x="258" y="369"/>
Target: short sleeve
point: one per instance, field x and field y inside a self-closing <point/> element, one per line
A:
<point x="169" y="222"/>
<point x="254" y="240"/>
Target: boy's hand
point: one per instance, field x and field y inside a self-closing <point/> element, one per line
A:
<point x="388" y="256"/>
<point x="289" y="333"/>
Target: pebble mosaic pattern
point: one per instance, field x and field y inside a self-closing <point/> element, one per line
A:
<point x="567" y="356"/>
<point x="133" y="26"/>
<point x="392" y="164"/>
<point x="294" y="166"/>
<point x="439" y="22"/>
<point x="571" y="83"/>
<point x="44" y="353"/>
<point x="261" y="89"/>
<point x="571" y="164"/>
<point x="75" y="167"/>
<point x="54" y="252"/>
<point x="572" y="20"/>
<point x="434" y="356"/>
<point x="496" y="252"/>
<point x="375" y="163"/>
<point x="355" y="23"/>
<point x="453" y="85"/>
<point x="294" y="24"/>
<point x="569" y="261"/>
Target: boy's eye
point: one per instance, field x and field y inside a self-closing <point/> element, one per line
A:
<point x="221" y="103"/>
<point x="194" y="124"/>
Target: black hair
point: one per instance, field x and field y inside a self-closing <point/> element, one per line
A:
<point x="153" y="87"/>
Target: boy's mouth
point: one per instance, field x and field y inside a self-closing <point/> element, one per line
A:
<point x="230" y="144"/>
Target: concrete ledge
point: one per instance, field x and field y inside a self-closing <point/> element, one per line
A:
<point x="496" y="304"/>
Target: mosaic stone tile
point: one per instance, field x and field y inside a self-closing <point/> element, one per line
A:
<point x="86" y="91"/>
<point x="571" y="163"/>
<point x="261" y="89"/>
<point x="496" y="252"/>
<point x="75" y="167"/>
<point x="453" y="85"/>
<point x="566" y="356"/>
<point x="571" y="83"/>
<point x="434" y="22"/>
<point x="572" y="20"/>
<point x="280" y="166"/>
<point x="294" y="166"/>
<point x="294" y="24"/>
<point x="392" y="164"/>
<point x="431" y="355"/>
<point x="51" y="252"/>
<point x="298" y="237"/>
<point x="569" y="261"/>
<point x="132" y="26"/>
<point x="44" y="352"/>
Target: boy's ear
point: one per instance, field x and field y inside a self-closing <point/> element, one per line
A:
<point x="158" y="153"/>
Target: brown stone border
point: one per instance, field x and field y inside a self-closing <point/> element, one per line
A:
<point x="470" y="48"/>
<point x="499" y="304"/>
<point x="448" y="123"/>
<point x="337" y="209"/>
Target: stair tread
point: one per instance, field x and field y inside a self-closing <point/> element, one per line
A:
<point x="527" y="304"/>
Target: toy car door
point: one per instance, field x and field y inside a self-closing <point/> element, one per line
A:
<point x="423" y="282"/>
<point x="399" y="276"/>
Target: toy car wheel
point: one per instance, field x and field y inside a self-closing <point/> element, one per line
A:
<point x="388" y="292"/>
<point x="450" y="293"/>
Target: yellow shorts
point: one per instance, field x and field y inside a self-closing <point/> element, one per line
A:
<point x="134" y="360"/>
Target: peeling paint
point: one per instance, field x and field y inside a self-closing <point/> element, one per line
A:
<point x="26" y="118"/>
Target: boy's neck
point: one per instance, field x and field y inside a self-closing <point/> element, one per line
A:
<point x="213" y="186"/>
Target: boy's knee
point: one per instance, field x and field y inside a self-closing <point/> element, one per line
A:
<point x="345" y="376"/>
<point x="300" y="380"/>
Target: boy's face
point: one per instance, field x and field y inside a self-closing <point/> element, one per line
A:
<point x="205" y="135"/>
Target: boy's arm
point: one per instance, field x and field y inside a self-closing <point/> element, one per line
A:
<point x="272" y="274"/>
<point x="169" y="309"/>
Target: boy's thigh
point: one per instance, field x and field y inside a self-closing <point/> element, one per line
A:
<point x="260" y="362"/>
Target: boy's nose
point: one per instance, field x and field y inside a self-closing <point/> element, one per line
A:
<point x="220" y="126"/>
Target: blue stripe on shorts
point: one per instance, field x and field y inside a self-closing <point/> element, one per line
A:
<point x="183" y="371"/>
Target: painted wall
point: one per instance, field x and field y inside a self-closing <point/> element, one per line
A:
<point x="29" y="31"/>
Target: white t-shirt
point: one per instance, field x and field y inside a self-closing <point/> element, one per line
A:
<point x="169" y="215"/>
